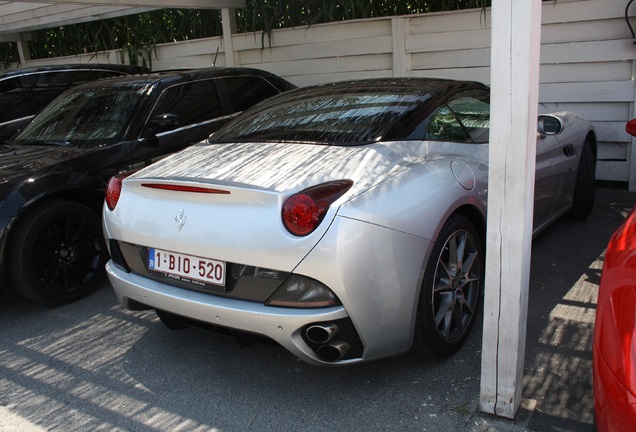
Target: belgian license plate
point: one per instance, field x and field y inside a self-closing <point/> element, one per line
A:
<point x="187" y="268"/>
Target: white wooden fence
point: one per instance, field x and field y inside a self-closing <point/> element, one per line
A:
<point x="587" y="60"/>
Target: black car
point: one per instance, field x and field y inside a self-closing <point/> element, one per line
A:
<point x="25" y="92"/>
<point x="54" y="172"/>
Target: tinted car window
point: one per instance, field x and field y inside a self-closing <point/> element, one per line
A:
<point x="192" y="102"/>
<point x="474" y="114"/>
<point x="14" y="100"/>
<point x="244" y="92"/>
<point x="463" y="119"/>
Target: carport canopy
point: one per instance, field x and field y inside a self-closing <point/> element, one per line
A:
<point x="515" y="36"/>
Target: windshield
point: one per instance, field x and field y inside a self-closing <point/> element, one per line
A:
<point x="94" y="117"/>
<point x="358" y="116"/>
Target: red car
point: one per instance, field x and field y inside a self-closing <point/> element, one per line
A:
<point x="614" y="352"/>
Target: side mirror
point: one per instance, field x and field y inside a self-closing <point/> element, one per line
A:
<point x="164" y="122"/>
<point x="158" y="124"/>
<point x="549" y="125"/>
<point x="631" y="127"/>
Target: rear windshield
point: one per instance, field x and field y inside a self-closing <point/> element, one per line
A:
<point x="357" y="116"/>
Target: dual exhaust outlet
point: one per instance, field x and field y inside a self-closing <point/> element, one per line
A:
<point x="324" y="334"/>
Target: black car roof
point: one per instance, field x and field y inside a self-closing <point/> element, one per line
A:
<point x="128" y="69"/>
<point x="170" y="77"/>
<point x="439" y="86"/>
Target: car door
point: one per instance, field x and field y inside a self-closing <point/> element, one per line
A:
<point x="473" y="112"/>
<point x="184" y="114"/>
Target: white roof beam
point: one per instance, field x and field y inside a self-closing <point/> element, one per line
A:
<point x="157" y="4"/>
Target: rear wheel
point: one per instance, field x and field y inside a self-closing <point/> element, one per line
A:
<point x="57" y="253"/>
<point x="584" y="189"/>
<point x="451" y="290"/>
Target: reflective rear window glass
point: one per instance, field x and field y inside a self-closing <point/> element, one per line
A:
<point x="360" y="115"/>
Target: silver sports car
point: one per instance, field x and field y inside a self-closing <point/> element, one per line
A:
<point x="345" y="222"/>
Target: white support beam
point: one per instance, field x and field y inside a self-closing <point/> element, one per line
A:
<point x="515" y="41"/>
<point x="228" y="22"/>
<point x="176" y="4"/>
<point x="23" y="49"/>
<point x="399" y="31"/>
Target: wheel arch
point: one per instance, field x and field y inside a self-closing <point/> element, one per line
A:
<point x="477" y="219"/>
<point x="90" y="198"/>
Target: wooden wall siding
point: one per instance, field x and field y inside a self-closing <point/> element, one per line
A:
<point x="587" y="60"/>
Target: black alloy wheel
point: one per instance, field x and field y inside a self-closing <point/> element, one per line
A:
<point x="451" y="291"/>
<point x="57" y="253"/>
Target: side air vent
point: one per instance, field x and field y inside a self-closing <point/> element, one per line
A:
<point x="569" y="151"/>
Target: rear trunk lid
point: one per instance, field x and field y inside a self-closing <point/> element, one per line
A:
<point x="239" y="218"/>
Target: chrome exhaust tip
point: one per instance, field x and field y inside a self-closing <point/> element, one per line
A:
<point x="321" y="333"/>
<point x="333" y="351"/>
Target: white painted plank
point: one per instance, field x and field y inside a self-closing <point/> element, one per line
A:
<point x="586" y="71"/>
<point x="585" y="52"/>
<point x="614" y="91"/>
<point x="316" y="33"/>
<point x="442" y="22"/>
<point x="360" y="64"/>
<point x="595" y="112"/>
<point x="448" y="41"/>
<point x="341" y="48"/>
<point x="311" y="79"/>
<point x="480" y="74"/>
<point x="582" y="31"/>
<point x="611" y="131"/>
<point x="451" y="59"/>
<point x="581" y="10"/>
<point x="190" y="48"/>
<point x="613" y="151"/>
<point x="612" y="170"/>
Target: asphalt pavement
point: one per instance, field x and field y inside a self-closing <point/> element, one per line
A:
<point x="92" y="366"/>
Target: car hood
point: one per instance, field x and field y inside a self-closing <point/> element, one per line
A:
<point x="283" y="167"/>
<point x="23" y="160"/>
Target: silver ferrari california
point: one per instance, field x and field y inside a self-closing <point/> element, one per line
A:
<point x="345" y="222"/>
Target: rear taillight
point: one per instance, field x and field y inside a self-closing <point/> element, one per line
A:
<point x="303" y="211"/>
<point x="113" y="191"/>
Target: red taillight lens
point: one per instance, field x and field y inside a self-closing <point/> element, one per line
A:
<point x="303" y="212"/>
<point x="113" y="191"/>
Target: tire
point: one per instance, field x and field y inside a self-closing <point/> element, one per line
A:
<point x="584" y="189"/>
<point x="452" y="289"/>
<point x="57" y="253"/>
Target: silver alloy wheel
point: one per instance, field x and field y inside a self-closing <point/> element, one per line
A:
<point x="456" y="285"/>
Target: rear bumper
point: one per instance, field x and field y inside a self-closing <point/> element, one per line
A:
<point x="283" y="325"/>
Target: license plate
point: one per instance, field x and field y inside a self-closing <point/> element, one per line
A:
<point x="187" y="268"/>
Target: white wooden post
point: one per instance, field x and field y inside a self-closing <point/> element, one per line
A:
<point x="228" y="22"/>
<point x="23" y="50"/>
<point x="398" y="34"/>
<point x="515" y="41"/>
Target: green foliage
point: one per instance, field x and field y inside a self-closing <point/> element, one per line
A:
<point x="270" y="14"/>
<point x="137" y="35"/>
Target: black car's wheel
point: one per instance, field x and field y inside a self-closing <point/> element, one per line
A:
<point x="451" y="291"/>
<point x="57" y="253"/>
<point x="584" y="189"/>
